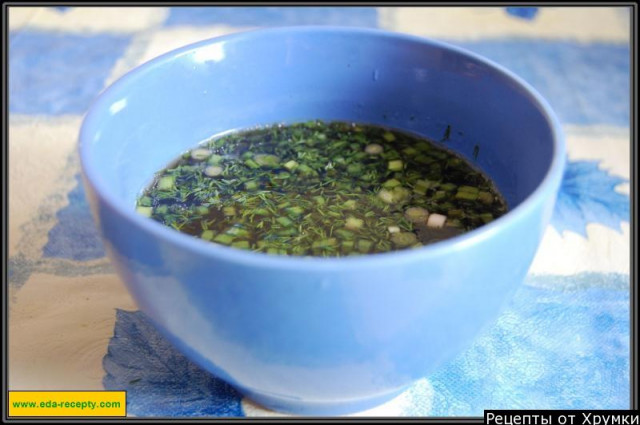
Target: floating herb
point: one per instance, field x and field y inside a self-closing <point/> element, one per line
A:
<point x="447" y="134"/>
<point x="321" y="189"/>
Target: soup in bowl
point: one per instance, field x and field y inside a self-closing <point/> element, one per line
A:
<point x="315" y="334"/>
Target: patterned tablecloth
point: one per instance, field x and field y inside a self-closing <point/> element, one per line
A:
<point x="563" y="342"/>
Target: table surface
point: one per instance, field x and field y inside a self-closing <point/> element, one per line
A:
<point x="563" y="341"/>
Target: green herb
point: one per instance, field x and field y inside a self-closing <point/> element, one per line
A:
<point x="323" y="189"/>
<point x="447" y="134"/>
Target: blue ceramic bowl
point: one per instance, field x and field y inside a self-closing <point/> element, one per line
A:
<point x="316" y="335"/>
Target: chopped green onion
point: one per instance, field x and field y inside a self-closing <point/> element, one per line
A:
<point x="351" y="204"/>
<point x="395" y="165"/>
<point x="251" y="185"/>
<point x="409" y="151"/>
<point x="347" y="245"/>
<point x="344" y="234"/>
<point x="440" y="194"/>
<point x="241" y="244"/>
<point x="284" y="221"/>
<point x="145" y="201"/>
<point x="354" y="169"/>
<point x="486" y="217"/>
<point x="416" y="214"/>
<point x="324" y="243"/>
<point x="166" y="183"/>
<point x="213" y="170"/>
<point x="237" y="231"/>
<point x="400" y="194"/>
<point x="266" y="160"/>
<point x="454" y="223"/>
<point x="374" y="149"/>
<point x="223" y="238"/>
<point x="448" y="186"/>
<point x="469" y="189"/>
<point x="403" y="238"/>
<point x="354" y="223"/>
<point x="145" y="211"/>
<point x="200" y="154"/>
<point x="389" y="137"/>
<point x="251" y="163"/>
<point x="215" y="159"/>
<point x="468" y="196"/>
<point x="485" y="197"/>
<point x="391" y="183"/>
<point x="422" y="186"/>
<point x="324" y="190"/>
<point x="295" y="211"/>
<point x="305" y="169"/>
<point x="291" y="165"/>
<point x="364" y="245"/>
<point x="386" y="196"/>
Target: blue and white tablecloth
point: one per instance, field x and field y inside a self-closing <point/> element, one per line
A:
<point x="562" y="343"/>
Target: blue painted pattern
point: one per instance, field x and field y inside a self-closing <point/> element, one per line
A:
<point x="584" y="83"/>
<point x="587" y="195"/>
<point x="273" y="16"/>
<point x="57" y="73"/>
<point x="549" y="350"/>
<point x="528" y="13"/>
<point x="75" y="235"/>
<point x="158" y="379"/>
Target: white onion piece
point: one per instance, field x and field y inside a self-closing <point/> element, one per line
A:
<point x="436" y="220"/>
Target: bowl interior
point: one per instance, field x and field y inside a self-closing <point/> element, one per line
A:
<point x="167" y="106"/>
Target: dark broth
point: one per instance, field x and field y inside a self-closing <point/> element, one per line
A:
<point x="321" y="189"/>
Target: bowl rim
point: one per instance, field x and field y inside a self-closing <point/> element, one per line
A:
<point x="306" y="263"/>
